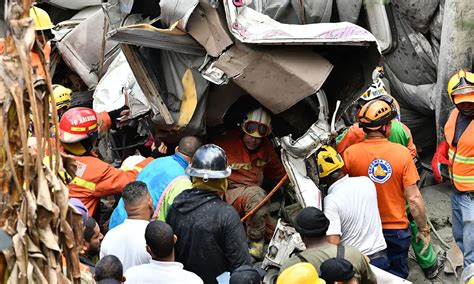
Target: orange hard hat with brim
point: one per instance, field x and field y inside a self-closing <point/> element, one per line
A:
<point x="462" y="98"/>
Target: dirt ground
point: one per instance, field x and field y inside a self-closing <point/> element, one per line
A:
<point x="438" y="205"/>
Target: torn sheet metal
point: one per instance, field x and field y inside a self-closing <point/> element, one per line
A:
<point x="277" y="77"/>
<point x="171" y="39"/>
<point x="73" y="4"/>
<point x="117" y="83"/>
<point x="250" y="26"/>
<point x="79" y="48"/>
<point x="209" y="29"/>
<point x="179" y="11"/>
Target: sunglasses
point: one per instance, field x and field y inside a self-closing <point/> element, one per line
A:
<point x="253" y="126"/>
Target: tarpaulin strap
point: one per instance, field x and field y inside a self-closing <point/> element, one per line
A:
<point x="188" y="101"/>
<point x="84" y="183"/>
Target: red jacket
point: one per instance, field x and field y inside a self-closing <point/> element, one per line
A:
<point x="250" y="168"/>
<point x="95" y="179"/>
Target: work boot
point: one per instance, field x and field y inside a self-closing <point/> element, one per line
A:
<point x="256" y="249"/>
<point x="433" y="271"/>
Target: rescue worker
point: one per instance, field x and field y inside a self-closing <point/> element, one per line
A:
<point x="165" y="178"/>
<point x="458" y="150"/>
<point x="252" y="159"/>
<point x="391" y="167"/>
<point x="211" y="238"/>
<point x="62" y="98"/>
<point x="400" y="134"/>
<point x="351" y="207"/>
<point x="78" y="131"/>
<point x="43" y="29"/>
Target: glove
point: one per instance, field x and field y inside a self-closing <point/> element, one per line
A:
<point x="426" y="238"/>
<point x="117" y="113"/>
<point x="440" y="157"/>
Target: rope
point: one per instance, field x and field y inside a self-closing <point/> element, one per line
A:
<point x="270" y="194"/>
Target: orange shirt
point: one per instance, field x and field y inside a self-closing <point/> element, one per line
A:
<point x="95" y="179"/>
<point x="250" y="168"/>
<point x="391" y="167"/>
<point x="36" y="62"/>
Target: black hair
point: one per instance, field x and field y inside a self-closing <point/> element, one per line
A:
<point x="89" y="228"/>
<point x="159" y="237"/>
<point x="188" y="145"/>
<point x="134" y="192"/>
<point x="109" y="267"/>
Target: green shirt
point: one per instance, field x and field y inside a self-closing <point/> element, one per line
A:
<point x="169" y="195"/>
<point x="316" y="256"/>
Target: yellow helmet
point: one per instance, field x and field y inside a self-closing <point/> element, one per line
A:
<point x="376" y="90"/>
<point x="376" y="114"/>
<point x="62" y="96"/>
<point x="257" y="123"/>
<point x="301" y="273"/>
<point x="328" y="161"/>
<point x="461" y="87"/>
<point x="41" y="19"/>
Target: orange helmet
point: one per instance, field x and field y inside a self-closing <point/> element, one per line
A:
<point x="78" y="124"/>
<point x="461" y="87"/>
<point x="376" y="114"/>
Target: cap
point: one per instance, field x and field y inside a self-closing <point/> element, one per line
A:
<point x="311" y="222"/>
<point x="81" y="208"/>
<point x="247" y="274"/>
<point x="336" y="269"/>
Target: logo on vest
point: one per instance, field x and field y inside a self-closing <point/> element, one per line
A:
<point x="380" y="171"/>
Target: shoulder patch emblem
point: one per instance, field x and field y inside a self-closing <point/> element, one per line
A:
<point x="380" y="171"/>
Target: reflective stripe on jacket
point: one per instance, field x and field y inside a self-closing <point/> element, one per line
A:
<point x="461" y="157"/>
<point x="95" y="179"/>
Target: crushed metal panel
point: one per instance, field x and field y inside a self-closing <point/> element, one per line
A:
<point x="277" y="77"/>
<point x="149" y="36"/>
<point x="173" y="11"/>
<point x="250" y="26"/>
<point x="79" y="48"/>
<point x="209" y="29"/>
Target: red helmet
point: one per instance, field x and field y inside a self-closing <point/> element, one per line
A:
<point x="78" y="124"/>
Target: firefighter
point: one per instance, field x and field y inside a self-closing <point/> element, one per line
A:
<point x="391" y="167"/>
<point x="43" y="29"/>
<point x="458" y="152"/>
<point x="62" y="98"/>
<point x="253" y="159"/>
<point x="400" y="134"/>
<point x="78" y="132"/>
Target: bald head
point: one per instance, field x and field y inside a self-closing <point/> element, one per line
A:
<point x="188" y="145"/>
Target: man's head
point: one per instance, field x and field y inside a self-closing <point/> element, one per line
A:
<point x="330" y="164"/>
<point x="160" y="241"/>
<point x="376" y="116"/>
<point x="92" y="237"/>
<point x="311" y="223"/>
<point x="109" y="268"/>
<point x="246" y="274"/>
<point x="188" y="146"/>
<point x="43" y="24"/>
<point x="137" y="200"/>
<point x="337" y="271"/>
<point x="78" y="130"/>
<point x="256" y="125"/>
<point x="461" y="91"/>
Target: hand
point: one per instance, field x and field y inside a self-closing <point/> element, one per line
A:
<point x="424" y="235"/>
<point x="440" y="157"/>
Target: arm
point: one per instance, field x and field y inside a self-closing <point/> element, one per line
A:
<point x="351" y="136"/>
<point x="417" y="206"/>
<point x="112" y="181"/>
<point x="274" y="170"/>
<point x="334" y="231"/>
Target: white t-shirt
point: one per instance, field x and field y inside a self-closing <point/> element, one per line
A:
<point x="351" y="207"/>
<point x="165" y="272"/>
<point x="127" y="242"/>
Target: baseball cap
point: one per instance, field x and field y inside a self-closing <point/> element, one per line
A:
<point x="247" y="274"/>
<point x="336" y="269"/>
<point x="311" y="221"/>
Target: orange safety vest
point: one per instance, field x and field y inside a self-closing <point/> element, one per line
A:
<point x="36" y="62"/>
<point x="461" y="157"/>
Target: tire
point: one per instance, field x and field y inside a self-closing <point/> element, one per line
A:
<point x="271" y="275"/>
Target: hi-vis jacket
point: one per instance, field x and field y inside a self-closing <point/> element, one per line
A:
<point x="461" y="157"/>
<point x="95" y="179"/>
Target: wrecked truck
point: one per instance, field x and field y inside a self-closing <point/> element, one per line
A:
<point x="200" y="65"/>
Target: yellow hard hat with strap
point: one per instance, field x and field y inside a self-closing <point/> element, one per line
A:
<point x="301" y="273"/>
<point x="328" y="161"/>
<point x="62" y="96"/>
<point x="41" y="19"/>
<point x="461" y="87"/>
